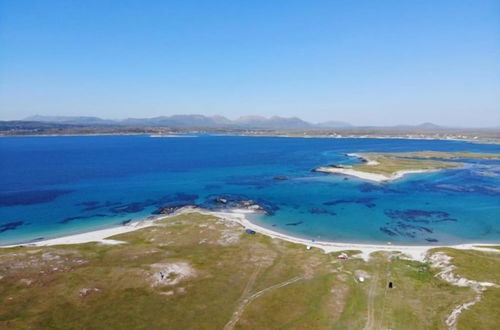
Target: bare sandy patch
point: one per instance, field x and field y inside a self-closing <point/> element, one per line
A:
<point x="443" y="261"/>
<point x="171" y="273"/>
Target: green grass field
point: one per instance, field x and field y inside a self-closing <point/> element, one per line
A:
<point x="390" y="163"/>
<point x="224" y="279"/>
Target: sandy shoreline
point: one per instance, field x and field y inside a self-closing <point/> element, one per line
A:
<point x="369" y="176"/>
<point x="240" y="216"/>
<point x="345" y="170"/>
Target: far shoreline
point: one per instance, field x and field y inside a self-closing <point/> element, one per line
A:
<point x="474" y="141"/>
<point x="414" y="252"/>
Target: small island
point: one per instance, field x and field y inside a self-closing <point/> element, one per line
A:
<point x="384" y="167"/>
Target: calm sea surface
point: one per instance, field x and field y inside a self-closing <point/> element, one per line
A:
<point x="53" y="186"/>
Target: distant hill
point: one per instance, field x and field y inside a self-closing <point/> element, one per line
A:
<point x="186" y="121"/>
<point x="273" y="122"/>
<point x="423" y="126"/>
<point x="334" y="124"/>
<point x="181" y="121"/>
<point x="77" y="120"/>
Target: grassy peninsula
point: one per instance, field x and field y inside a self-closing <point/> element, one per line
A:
<point x="391" y="166"/>
<point x="195" y="271"/>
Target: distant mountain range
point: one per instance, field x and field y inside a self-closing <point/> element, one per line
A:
<point x="221" y="122"/>
<point x="193" y="121"/>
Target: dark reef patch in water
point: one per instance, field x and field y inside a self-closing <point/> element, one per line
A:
<point x="419" y="215"/>
<point x="294" y="223"/>
<point x="366" y="201"/>
<point x="401" y="222"/>
<point x="406" y="227"/>
<point x="126" y="222"/>
<point x="256" y="181"/>
<point x="31" y="197"/>
<point x="370" y="187"/>
<point x="88" y="204"/>
<point x="319" y="210"/>
<point x="11" y="225"/>
<point x="178" y="199"/>
<point x="81" y="217"/>
<point x="388" y="231"/>
<point x="95" y="205"/>
<point x="212" y="186"/>
<point x="131" y="207"/>
<point x="476" y="189"/>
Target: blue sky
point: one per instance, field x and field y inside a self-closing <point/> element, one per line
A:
<point x="365" y="62"/>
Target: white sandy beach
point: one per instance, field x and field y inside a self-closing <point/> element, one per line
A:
<point x="418" y="253"/>
<point x="100" y="235"/>
<point x="369" y="176"/>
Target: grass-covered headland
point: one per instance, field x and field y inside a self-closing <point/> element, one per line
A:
<point x="196" y="271"/>
<point x="390" y="166"/>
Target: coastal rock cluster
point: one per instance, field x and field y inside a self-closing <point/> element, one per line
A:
<point x="236" y="201"/>
<point x="167" y="204"/>
<point x="222" y="202"/>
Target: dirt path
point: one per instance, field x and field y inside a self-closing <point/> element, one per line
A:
<point x="246" y="301"/>
<point x="370" y="320"/>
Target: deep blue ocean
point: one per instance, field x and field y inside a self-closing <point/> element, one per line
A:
<point x="53" y="186"/>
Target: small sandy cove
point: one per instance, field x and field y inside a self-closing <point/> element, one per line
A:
<point x="240" y="216"/>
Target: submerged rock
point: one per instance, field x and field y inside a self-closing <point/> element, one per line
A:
<point x="294" y="223"/>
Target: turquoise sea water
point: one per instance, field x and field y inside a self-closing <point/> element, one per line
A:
<point x="53" y="186"/>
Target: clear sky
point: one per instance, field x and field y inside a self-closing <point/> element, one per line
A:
<point x="371" y="62"/>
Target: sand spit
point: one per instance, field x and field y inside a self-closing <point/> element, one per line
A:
<point x="369" y="176"/>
